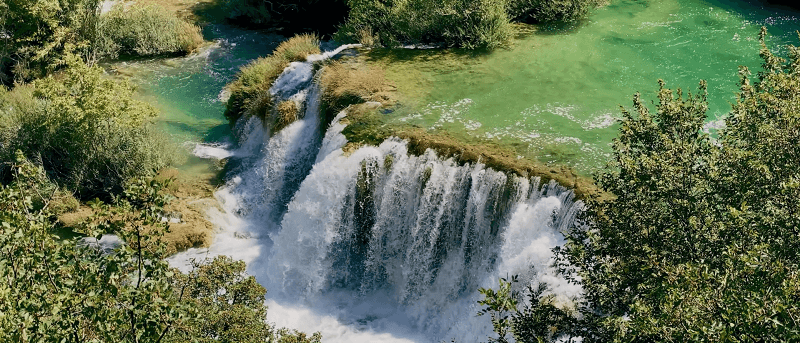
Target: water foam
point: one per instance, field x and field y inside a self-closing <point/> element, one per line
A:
<point x="378" y="244"/>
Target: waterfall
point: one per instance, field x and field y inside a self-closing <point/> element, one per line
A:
<point x="378" y="244"/>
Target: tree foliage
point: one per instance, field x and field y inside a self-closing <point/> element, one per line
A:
<point x="531" y="316"/>
<point x="701" y="241"/>
<point x="293" y="16"/>
<point x="37" y="36"/>
<point x="72" y="290"/>
<point x="86" y="130"/>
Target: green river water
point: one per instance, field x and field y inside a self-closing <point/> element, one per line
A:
<point x="554" y="94"/>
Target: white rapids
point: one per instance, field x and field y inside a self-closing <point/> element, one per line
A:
<point x="377" y="245"/>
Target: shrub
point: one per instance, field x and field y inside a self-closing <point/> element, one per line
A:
<point x="145" y="31"/>
<point x="87" y="131"/>
<point x="35" y="35"/>
<point x="250" y="91"/>
<point x="64" y="290"/>
<point x="535" y="11"/>
<point x="454" y="23"/>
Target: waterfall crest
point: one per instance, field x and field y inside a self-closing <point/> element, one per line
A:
<point x="384" y="241"/>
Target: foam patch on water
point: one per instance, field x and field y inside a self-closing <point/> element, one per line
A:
<point x="601" y="121"/>
<point x="107" y="243"/>
<point x="213" y="150"/>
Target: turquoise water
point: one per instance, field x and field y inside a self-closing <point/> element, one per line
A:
<point x="556" y="93"/>
<point x="188" y="90"/>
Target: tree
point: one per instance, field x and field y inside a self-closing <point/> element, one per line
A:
<point x="538" y="321"/>
<point x="37" y="34"/>
<point x="700" y="242"/>
<point x="64" y="290"/>
<point x="88" y="131"/>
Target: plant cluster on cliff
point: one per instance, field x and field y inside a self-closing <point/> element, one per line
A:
<point x="37" y="35"/>
<point x="700" y="242"/>
<point x="250" y="91"/>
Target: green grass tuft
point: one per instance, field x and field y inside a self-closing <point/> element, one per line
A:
<point x="149" y="30"/>
<point x="250" y="91"/>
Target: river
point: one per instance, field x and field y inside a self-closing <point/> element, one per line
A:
<point x="379" y="245"/>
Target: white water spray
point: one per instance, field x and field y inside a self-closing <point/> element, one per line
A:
<point x="378" y="244"/>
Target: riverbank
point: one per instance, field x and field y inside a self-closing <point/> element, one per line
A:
<point x="371" y="119"/>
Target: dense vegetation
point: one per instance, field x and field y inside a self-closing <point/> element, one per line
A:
<point x="145" y="31"/>
<point x="462" y="23"/>
<point x="535" y="11"/>
<point x="700" y="242"/>
<point x="76" y="291"/>
<point x="249" y="93"/>
<point x="37" y="35"/>
<point x="86" y="130"/>
<point x="452" y="23"/>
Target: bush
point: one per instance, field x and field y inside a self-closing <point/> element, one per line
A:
<point x="35" y="35"/>
<point x="65" y="290"/>
<point x="454" y="23"/>
<point x="536" y="11"/>
<point x="145" y="31"/>
<point x="87" y="131"/>
<point x="250" y="91"/>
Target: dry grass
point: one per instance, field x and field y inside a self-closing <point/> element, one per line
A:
<point x="193" y="197"/>
<point x="367" y="38"/>
<point x="345" y="84"/>
<point x="285" y="114"/>
<point x="298" y="47"/>
<point x="250" y="90"/>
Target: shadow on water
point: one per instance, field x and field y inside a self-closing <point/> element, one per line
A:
<point x="217" y="133"/>
<point x="284" y="17"/>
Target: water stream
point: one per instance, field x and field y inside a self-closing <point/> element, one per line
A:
<point x="376" y="245"/>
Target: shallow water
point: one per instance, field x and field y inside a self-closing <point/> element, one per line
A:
<point x="555" y="94"/>
<point x="188" y="91"/>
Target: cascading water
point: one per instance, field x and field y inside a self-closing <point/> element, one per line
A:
<point x="378" y="244"/>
